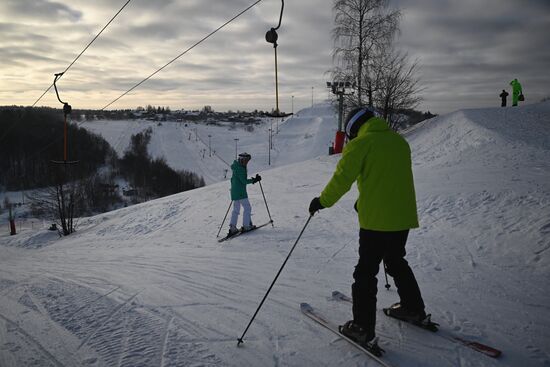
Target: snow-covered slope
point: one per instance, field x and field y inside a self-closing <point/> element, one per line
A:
<point x="188" y="146"/>
<point x="149" y="285"/>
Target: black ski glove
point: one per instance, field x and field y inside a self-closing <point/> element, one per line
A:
<point x="258" y="178"/>
<point x="315" y="206"/>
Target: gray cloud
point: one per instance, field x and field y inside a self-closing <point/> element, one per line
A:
<point x="468" y="51"/>
<point x="41" y="10"/>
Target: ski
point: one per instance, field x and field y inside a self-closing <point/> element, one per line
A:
<point x="243" y="232"/>
<point x="318" y="318"/>
<point x="479" y="347"/>
<point x="427" y="323"/>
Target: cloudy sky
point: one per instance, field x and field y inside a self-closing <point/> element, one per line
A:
<point x="469" y="50"/>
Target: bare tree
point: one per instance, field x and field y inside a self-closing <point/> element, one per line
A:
<point x="60" y="201"/>
<point x="398" y="86"/>
<point x="362" y="29"/>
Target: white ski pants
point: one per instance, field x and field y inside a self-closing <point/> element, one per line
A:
<point x="247" y="212"/>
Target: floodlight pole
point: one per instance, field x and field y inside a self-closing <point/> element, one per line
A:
<point x="339" y="89"/>
<point x="340" y="109"/>
<point x="269" y="149"/>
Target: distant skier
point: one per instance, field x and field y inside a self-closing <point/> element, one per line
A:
<point x="239" y="194"/>
<point x="379" y="160"/>
<point x="516" y="92"/>
<point x="503" y="96"/>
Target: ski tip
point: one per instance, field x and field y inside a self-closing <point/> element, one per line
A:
<point x="305" y="307"/>
<point x="482" y="348"/>
<point x="339" y="296"/>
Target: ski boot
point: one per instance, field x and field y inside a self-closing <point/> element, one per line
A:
<point x="232" y="230"/>
<point x="414" y="317"/>
<point x="362" y="337"/>
<point x="247" y="228"/>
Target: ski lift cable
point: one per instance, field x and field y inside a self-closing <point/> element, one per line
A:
<point x="196" y="44"/>
<point x="181" y="54"/>
<point x="6" y="131"/>
<point x="84" y="50"/>
<point x="281" y="15"/>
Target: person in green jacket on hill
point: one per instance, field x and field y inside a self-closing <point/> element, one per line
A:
<point x="516" y="92"/>
<point x="379" y="160"/>
<point x="239" y="195"/>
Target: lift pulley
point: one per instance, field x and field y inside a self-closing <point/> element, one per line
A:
<point x="271" y="37"/>
<point x="67" y="109"/>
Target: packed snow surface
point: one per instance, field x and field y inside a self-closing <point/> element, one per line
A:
<point x="149" y="285"/>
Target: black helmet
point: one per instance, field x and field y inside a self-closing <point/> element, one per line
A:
<point x="356" y="118"/>
<point x="244" y="157"/>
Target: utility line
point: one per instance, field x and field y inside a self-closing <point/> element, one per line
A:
<point x="180" y="55"/>
<point x="174" y="59"/>
<point x="6" y="131"/>
<point x="84" y="50"/>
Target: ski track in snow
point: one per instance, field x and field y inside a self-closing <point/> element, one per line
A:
<point x="149" y="285"/>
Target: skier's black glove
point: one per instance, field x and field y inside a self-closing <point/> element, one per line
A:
<point x="315" y="206"/>
<point x="258" y="178"/>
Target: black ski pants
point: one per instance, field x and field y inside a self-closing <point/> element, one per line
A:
<point x="373" y="247"/>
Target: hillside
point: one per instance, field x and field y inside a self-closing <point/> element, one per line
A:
<point x="303" y="136"/>
<point x="149" y="285"/>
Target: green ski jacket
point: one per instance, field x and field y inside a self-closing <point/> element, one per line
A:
<point x="239" y="181"/>
<point x="379" y="160"/>
<point x="516" y="87"/>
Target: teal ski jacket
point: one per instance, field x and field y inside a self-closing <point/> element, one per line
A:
<point x="239" y="181"/>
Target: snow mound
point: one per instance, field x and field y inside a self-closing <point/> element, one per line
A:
<point x="489" y="136"/>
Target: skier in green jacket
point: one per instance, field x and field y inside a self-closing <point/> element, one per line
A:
<point x="239" y="195"/>
<point x="379" y="160"/>
<point x="516" y="91"/>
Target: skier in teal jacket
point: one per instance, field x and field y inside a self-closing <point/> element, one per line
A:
<point x="239" y="195"/>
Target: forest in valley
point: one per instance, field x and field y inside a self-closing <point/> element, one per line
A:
<point x="32" y="151"/>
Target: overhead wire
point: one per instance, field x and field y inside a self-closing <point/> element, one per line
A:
<point x="6" y="131"/>
<point x="164" y="66"/>
<point x="84" y="50"/>
<point x="181" y="54"/>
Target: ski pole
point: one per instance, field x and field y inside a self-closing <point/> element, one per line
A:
<point x="240" y="340"/>
<point x="268" y="213"/>
<point x="386" y="274"/>
<point x="231" y="202"/>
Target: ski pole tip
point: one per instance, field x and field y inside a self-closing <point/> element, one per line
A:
<point x="239" y="342"/>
